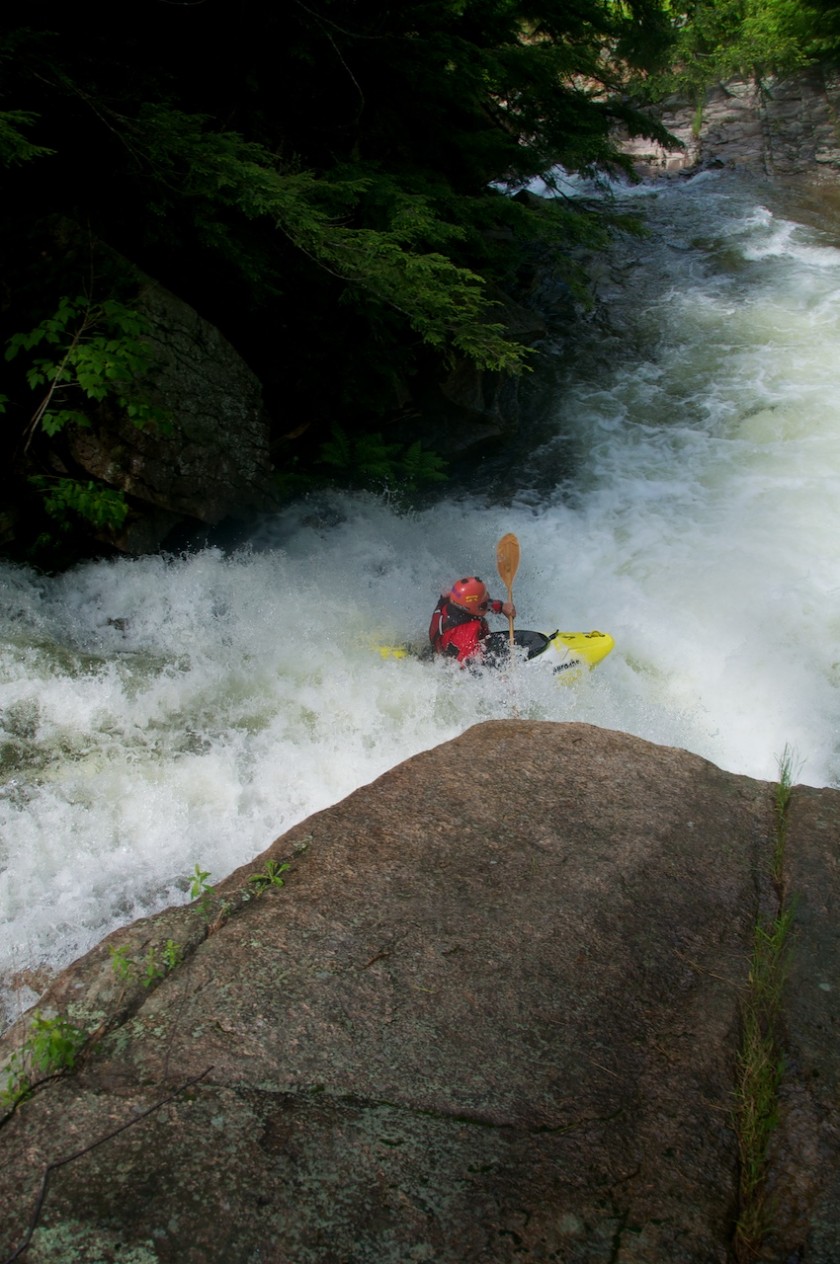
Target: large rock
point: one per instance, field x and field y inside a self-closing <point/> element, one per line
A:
<point x="493" y="1016"/>
<point x="783" y="127"/>
<point x="213" y="462"/>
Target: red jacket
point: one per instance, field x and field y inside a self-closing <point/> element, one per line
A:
<point x="456" y="632"/>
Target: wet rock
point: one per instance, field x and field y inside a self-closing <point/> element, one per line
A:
<point x="493" y="1016"/>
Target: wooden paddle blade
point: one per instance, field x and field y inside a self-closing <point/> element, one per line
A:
<point x="507" y="559"/>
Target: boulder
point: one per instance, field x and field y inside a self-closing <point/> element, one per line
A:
<point x="494" y="1015"/>
<point x="213" y="462"/>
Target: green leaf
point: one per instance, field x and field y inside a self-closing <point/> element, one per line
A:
<point x="52" y="422"/>
<point x="100" y="353"/>
<point x="91" y="502"/>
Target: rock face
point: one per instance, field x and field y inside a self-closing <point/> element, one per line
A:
<point x="780" y="128"/>
<point x="215" y="462"/>
<point x="493" y="1016"/>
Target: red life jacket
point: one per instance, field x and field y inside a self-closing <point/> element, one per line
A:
<point x="456" y="632"/>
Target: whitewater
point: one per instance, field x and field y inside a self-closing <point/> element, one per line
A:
<point x="682" y="492"/>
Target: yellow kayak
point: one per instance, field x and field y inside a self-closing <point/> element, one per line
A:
<point x="567" y="655"/>
<point x="579" y="649"/>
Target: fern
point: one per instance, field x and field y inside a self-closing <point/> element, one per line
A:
<point x="369" y="461"/>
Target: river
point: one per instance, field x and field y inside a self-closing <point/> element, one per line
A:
<point x="167" y="712"/>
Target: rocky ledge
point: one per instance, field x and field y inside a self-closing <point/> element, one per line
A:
<point x="496" y="1013"/>
<point x="779" y="127"/>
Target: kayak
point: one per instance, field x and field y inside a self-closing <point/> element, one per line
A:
<point x="561" y="652"/>
<point x="566" y="655"/>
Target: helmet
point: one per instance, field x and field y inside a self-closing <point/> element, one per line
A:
<point x="471" y="593"/>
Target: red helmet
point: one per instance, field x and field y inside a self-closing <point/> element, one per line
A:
<point x="471" y="593"/>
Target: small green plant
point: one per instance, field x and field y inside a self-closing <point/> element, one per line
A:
<point x="759" y="1074"/>
<point x="152" y="968"/>
<point x="53" y="1045"/>
<point x="68" y="498"/>
<point x="198" y="882"/>
<point x="271" y="876"/>
<point x="201" y="890"/>
<point x="760" y="1060"/>
<point x="784" y="792"/>
<point x="123" y="968"/>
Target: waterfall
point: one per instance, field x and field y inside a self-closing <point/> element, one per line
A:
<point x="165" y="712"/>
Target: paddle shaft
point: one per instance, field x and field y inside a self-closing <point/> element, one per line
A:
<point x="507" y="562"/>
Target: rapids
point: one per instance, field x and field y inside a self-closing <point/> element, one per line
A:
<point x="166" y="712"/>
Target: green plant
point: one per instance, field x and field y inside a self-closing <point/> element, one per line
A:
<point x="417" y="465"/>
<point x="198" y="882"/>
<point x="271" y="876"/>
<point x="368" y="460"/>
<point x="201" y="890"/>
<point x="720" y="39"/>
<point x="759" y="1073"/>
<point x="93" y="351"/>
<point x="788" y="766"/>
<point x="123" y="968"/>
<point x="53" y="1045"/>
<point x="65" y="498"/>
<point x="14" y="146"/>
<point x="760" y="1064"/>
<point x="152" y="969"/>
<point x="85" y="351"/>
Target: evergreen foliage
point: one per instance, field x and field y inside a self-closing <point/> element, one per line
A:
<point x="14" y="146"/>
<point x="330" y="182"/>
<point x="369" y="461"/>
<point x="327" y="181"/>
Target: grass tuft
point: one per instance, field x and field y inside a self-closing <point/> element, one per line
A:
<point x="760" y="1064"/>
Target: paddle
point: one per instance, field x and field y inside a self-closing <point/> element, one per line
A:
<point x="507" y="562"/>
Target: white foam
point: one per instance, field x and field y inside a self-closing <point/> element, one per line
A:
<point x="163" y="713"/>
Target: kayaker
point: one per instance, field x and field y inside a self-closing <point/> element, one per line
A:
<point x="459" y="625"/>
